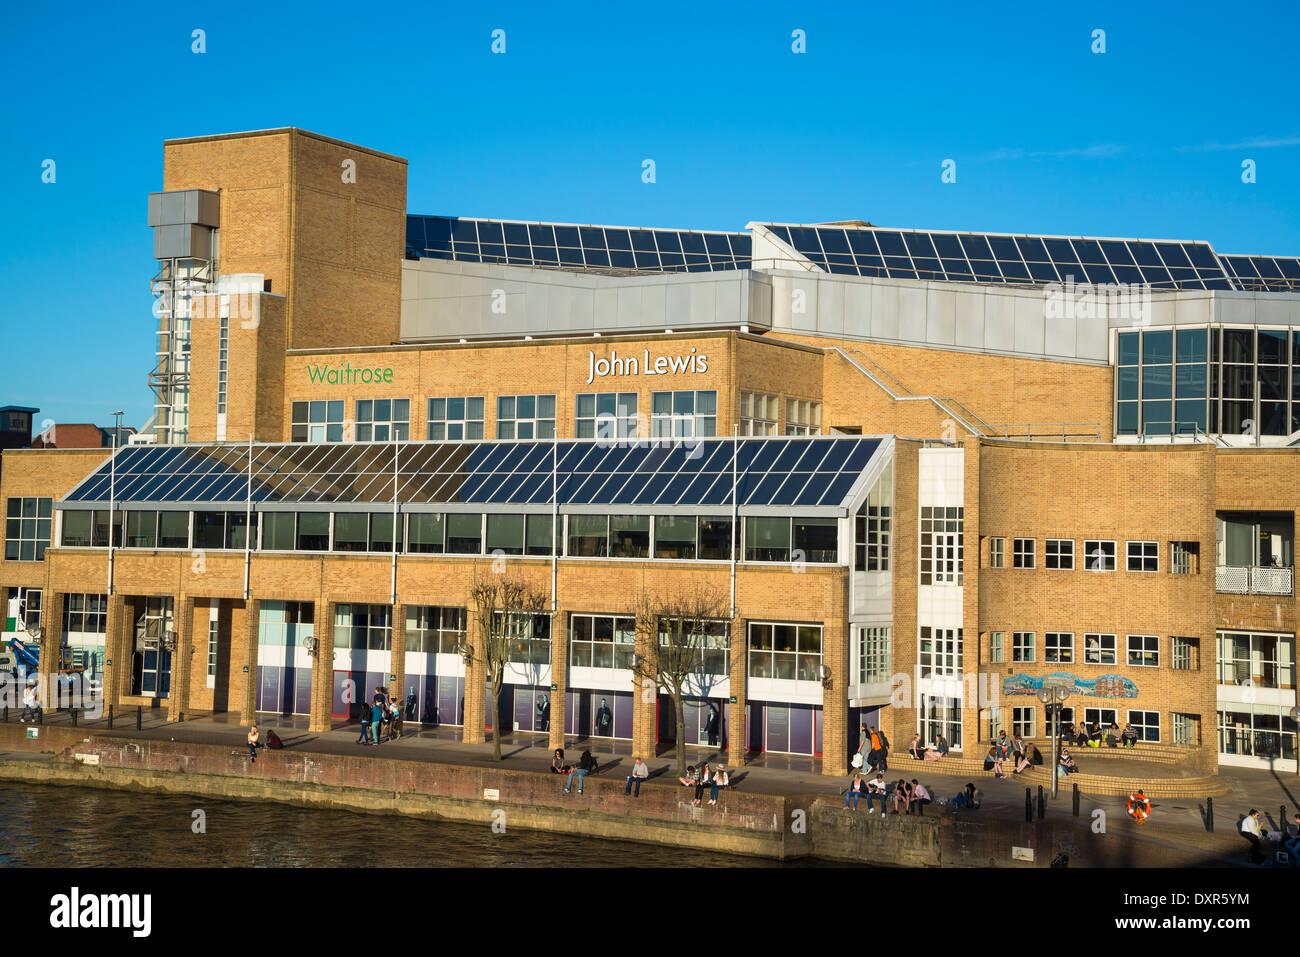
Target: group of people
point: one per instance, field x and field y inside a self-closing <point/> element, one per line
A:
<point x="920" y="752"/>
<point x="383" y="714"/>
<point x="1015" y="751"/>
<point x="714" y="777"/>
<point x="906" y="794"/>
<point x="1092" y="736"/>
<point x="574" y="772"/>
<point x="1252" y="830"/>
<point x="873" y="750"/>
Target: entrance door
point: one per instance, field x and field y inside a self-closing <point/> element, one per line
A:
<point x="778" y="728"/>
<point x="156" y="669"/>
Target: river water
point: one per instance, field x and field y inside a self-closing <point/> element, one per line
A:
<point x="52" y="826"/>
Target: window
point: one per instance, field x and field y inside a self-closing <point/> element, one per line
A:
<point x="683" y="414"/>
<point x="803" y="417"/>
<point x="1168" y="375"/>
<point x="424" y="533"/>
<point x="277" y="531"/>
<point x="456" y="419"/>
<point x="223" y="358"/>
<point x="997" y="553"/>
<point x="214" y="642"/>
<point x="363" y="627"/>
<point x="1143" y="556"/>
<point x="1187" y="729"/>
<point x="1024" y="722"/>
<point x="601" y="641"/>
<point x="86" y="614"/>
<point x="383" y="420"/>
<point x="629" y="536"/>
<point x="431" y="629"/>
<point x="528" y="641"/>
<point x="313" y="532"/>
<point x="351" y="531"/>
<point x="525" y="416"/>
<point x="786" y="651"/>
<point x="940" y="651"/>
<point x="1260" y="660"/>
<point x="27" y="529"/>
<point x="1058" y="647"/>
<point x="540" y="536"/>
<point x="767" y="539"/>
<point x="1058" y="553"/>
<point x="939" y="715"/>
<point x="29" y="606"/>
<point x="588" y="536"/>
<point x="1261" y="730"/>
<point x="1098" y="649"/>
<point x="675" y="536"/>
<point x="1143" y="651"/>
<point x="317" y="421"/>
<point x="1102" y="717"/>
<point x="941" y="545"/>
<point x="709" y="646"/>
<point x="1099" y="556"/>
<point x="76" y="528"/>
<point x="715" y="539"/>
<point x="465" y="533"/>
<point x="605" y="415"/>
<point x="875" y="654"/>
<point x="1185" y="558"/>
<point x="1022" y="553"/>
<point x="1146" y="724"/>
<point x="1022" y="646"/>
<point x="758" y="413"/>
<point x="873" y="527"/>
<point x="1186" y="653"/>
<point x="995" y="647"/>
<point x="505" y="534"/>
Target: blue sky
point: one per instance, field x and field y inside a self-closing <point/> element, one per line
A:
<point x="1146" y="139"/>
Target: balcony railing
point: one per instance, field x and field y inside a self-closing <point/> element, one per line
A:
<point x="1254" y="580"/>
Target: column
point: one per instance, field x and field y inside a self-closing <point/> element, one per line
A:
<point x="51" y="642"/>
<point x="397" y="657"/>
<point x="178" y="697"/>
<point x="835" y="701"/>
<point x="645" y="693"/>
<point x="737" y="729"/>
<point x="117" y="651"/>
<point x="559" y="677"/>
<point x="476" y="683"/>
<point x="322" y="668"/>
<point x="252" y="617"/>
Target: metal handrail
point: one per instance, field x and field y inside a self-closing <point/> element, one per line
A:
<point x="904" y="398"/>
<point x="1050" y="431"/>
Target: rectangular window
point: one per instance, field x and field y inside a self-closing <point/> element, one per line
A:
<point x="675" y="536"/>
<point x="875" y="654"/>
<point x="381" y="532"/>
<point x="27" y="528"/>
<point x="456" y="419"/>
<point x="363" y="627"/>
<point x="1186" y="653"/>
<point x="803" y="417"/>
<point x="1098" y="556"/>
<point x="424" y="533"/>
<point x="141" y="529"/>
<point x="942" y="544"/>
<point x="767" y="539"/>
<point x="787" y="651"/>
<point x="505" y="534"/>
<point x="940" y="651"/>
<point x="873" y="527"/>
<point x="605" y="415"/>
<point x="540" y="539"/>
<point x="1022" y="553"/>
<point x="601" y="641"/>
<point x="313" y="532"/>
<point x="629" y="536"/>
<point x="758" y="413"/>
<point x="351" y="531"/>
<point x="383" y="420"/>
<point x="1256" y="660"/>
<point x="1146" y="724"/>
<point x="317" y="421"/>
<point x="716" y="539"/>
<point x="1022" y="646"/>
<point x="1187" y="729"/>
<point x="525" y="416"/>
<point x="214" y="642"/>
<point x="684" y="414"/>
<point x="1058" y="647"/>
<point x="705" y="646"/>
<point x="76" y="529"/>
<point x="996" y="651"/>
<point x="528" y="639"/>
<point x="209" y="529"/>
<point x="1058" y="553"/>
<point x="238" y="529"/>
<point x="173" y="529"/>
<point x="277" y="531"/>
<point x="1024" y="722"/>
<point x="1101" y="717"/>
<point x="431" y="629"/>
<point x="465" y="533"/>
<point x="1143" y="556"/>
<point x="85" y="613"/>
<point x="1144" y="651"/>
<point x="1099" y="649"/>
<point x="997" y="553"/>
<point x="1185" y="558"/>
<point x="588" y="536"/>
<point x="816" y="540"/>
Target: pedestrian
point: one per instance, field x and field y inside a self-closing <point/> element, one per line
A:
<point x="855" y="790"/>
<point x="864" y="749"/>
<point x="720" y="781"/>
<point x="702" y="778"/>
<point x="712" y="724"/>
<point x="921" y="795"/>
<point x="252" y="742"/>
<point x="365" y="725"/>
<point x="903" y="793"/>
<point x="640" y="771"/>
<point x="876" y="788"/>
<point x="31" y="703"/>
<point x="377" y="718"/>
<point x="1250" y="831"/>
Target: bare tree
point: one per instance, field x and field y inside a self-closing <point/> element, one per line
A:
<point x="504" y="606"/>
<point x="682" y="627"/>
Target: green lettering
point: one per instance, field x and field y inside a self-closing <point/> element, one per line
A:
<point x="314" y="374"/>
<point x="388" y="375"/>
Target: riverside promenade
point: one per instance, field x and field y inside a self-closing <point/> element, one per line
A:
<point x="781" y="806"/>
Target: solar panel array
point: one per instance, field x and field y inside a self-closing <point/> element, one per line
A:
<point x="575" y="247"/>
<point x="794" y="472"/>
<point x="988" y="258"/>
<point x="1264" y="273"/>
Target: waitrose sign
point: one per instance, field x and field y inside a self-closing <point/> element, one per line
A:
<point x="345" y="374"/>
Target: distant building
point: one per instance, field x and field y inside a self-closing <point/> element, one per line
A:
<point x="81" y="435"/>
<point x="16" y="426"/>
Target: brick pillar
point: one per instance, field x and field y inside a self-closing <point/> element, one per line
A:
<point x="117" y="651"/>
<point x="178" y="698"/>
<point x="737" y="729"/>
<point x="397" y="658"/>
<point x="835" y="700"/>
<point x="645" y="692"/>
<point x="476" y="684"/>
<point x="322" y="667"/>
<point x="51" y="639"/>
<point x="560" y="678"/>
<point x="248" y="707"/>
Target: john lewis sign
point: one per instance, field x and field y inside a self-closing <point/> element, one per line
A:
<point x="617" y="365"/>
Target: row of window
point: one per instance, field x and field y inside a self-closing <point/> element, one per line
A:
<point x="760" y="412"/>
<point x="1024" y="722"/>
<point x="1099" y="555"/>
<point x="673" y="414"/>
<point x="702" y="537"/>
<point x="1141" y="651"/>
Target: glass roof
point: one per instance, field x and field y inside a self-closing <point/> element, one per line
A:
<point x="557" y="245"/>
<point x="787" y="472"/>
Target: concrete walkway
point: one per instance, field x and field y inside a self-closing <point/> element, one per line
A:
<point x="1181" y="821"/>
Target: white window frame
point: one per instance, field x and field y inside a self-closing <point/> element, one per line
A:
<point x="1067" y="647"/>
<point x="1102" y="639"/>
<point x="394" y="428"/>
<point x="1019" y="553"/>
<point x="1064" y="556"/>
<point x="683" y="425"/>
<point x="997" y="552"/>
<point x="1024" y="721"/>
<point x="1142" y="651"/>
<point x="997" y="647"/>
<point x="622" y="423"/>
<point x="803" y="417"/>
<point x="542" y="426"/>
<point x="760" y="413"/>
<point x="466" y="423"/>
<point x="1148" y="552"/>
<point x="1109" y="562"/>
<point x="1139" y="727"/>
<point x="1019" y="648"/>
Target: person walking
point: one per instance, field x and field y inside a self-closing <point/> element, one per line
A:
<point x="252" y="742"/>
<point x="640" y="771"/>
<point x="364" y="738"/>
<point x="31" y="703"/>
<point x="377" y="718"/>
<point x="863" y="753"/>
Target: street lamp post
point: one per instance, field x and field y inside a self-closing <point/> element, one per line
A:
<point x="1053" y="699"/>
<point x="112" y="493"/>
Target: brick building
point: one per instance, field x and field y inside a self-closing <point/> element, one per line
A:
<point x="919" y="475"/>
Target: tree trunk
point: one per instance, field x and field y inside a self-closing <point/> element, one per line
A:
<point x="496" y="720"/>
<point x="681" y="730"/>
